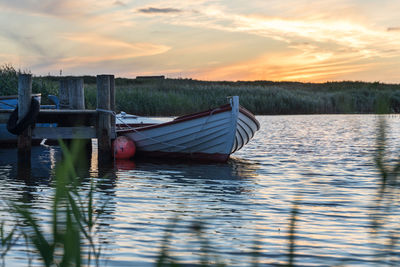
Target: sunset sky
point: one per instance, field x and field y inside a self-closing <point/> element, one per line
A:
<point x="296" y="40"/>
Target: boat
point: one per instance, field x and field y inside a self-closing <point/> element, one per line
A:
<point x="211" y="135"/>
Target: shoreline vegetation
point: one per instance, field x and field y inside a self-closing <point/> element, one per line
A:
<point x="172" y="97"/>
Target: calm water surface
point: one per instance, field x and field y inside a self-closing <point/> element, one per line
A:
<point x="324" y="163"/>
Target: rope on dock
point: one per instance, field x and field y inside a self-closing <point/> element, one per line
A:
<point x="111" y="112"/>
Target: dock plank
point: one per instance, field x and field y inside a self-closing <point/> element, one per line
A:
<point x="64" y="132"/>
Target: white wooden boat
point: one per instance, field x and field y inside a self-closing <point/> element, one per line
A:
<point x="210" y="135"/>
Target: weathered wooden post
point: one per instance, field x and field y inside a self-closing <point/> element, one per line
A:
<point x="71" y="93"/>
<point x="112" y="103"/>
<point x="76" y="93"/>
<point x="104" y="119"/>
<point x="77" y="101"/>
<point x="63" y="94"/>
<point x="24" y="103"/>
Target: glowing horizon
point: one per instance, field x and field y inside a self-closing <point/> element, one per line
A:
<point x="208" y="40"/>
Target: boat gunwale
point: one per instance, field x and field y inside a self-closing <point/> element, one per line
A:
<point x="181" y="119"/>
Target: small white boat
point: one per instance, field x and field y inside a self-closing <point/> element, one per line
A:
<point x="210" y="135"/>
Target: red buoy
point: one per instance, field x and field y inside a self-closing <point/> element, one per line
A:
<point x="123" y="148"/>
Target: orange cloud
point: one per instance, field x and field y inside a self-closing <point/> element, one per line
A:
<point x="95" y="48"/>
<point x="293" y="66"/>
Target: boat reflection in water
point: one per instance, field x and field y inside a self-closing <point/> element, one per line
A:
<point x="233" y="169"/>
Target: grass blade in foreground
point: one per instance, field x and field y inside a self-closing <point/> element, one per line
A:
<point x="70" y="224"/>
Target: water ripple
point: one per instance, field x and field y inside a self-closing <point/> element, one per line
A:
<point x="323" y="163"/>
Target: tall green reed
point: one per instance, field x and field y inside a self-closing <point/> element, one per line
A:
<point x="383" y="228"/>
<point x="70" y="241"/>
<point x="8" y="80"/>
<point x="7" y="240"/>
<point x="165" y="258"/>
<point x="42" y="85"/>
<point x="207" y="258"/>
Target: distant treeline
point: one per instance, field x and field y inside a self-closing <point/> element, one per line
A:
<point x="169" y="97"/>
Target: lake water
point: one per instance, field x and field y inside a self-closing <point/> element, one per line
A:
<point x="324" y="163"/>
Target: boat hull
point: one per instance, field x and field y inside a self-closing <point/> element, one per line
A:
<point x="206" y="136"/>
<point x="200" y="136"/>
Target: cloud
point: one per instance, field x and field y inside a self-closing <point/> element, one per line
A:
<point x="393" y="29"/>
<point x="337" y="34"/>
<point x="45" y="8"/>
<point x="302" y="42"/>
<point x="155" y="10"/>
<point x="97" y="48"/>
<point x="119" y="3"/>
<point x="26" y="42"/>
<point x="69" y="9"/>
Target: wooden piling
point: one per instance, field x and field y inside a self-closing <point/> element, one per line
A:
<point x="76" y="93"/>
<point x="63" y="94"/>
<point x="104" y="119"/>
<point x="24" y="103"/>
<point x="77" y="102"/>
<point x="71" y="93"/>
<point x="112" y="102"/>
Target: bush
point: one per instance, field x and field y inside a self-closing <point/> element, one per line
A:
<point x="8" y="80"/>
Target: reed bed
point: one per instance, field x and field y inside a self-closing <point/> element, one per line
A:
<point x="9" y="83"/>
<point x="176" y="97"/>
<point x="173" y="97"/>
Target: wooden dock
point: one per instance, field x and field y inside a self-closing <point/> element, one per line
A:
<point x="72" y="119"/>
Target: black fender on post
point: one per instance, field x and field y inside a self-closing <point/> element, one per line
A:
<point x="15" y="127"/>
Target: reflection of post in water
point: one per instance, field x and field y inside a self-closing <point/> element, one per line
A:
<point x="24" y="173"/>
<point x="30" y="177"/>
<point x="77" y="152"/>
<point x="107" y="177"/>
<point x="24" y="170"/>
